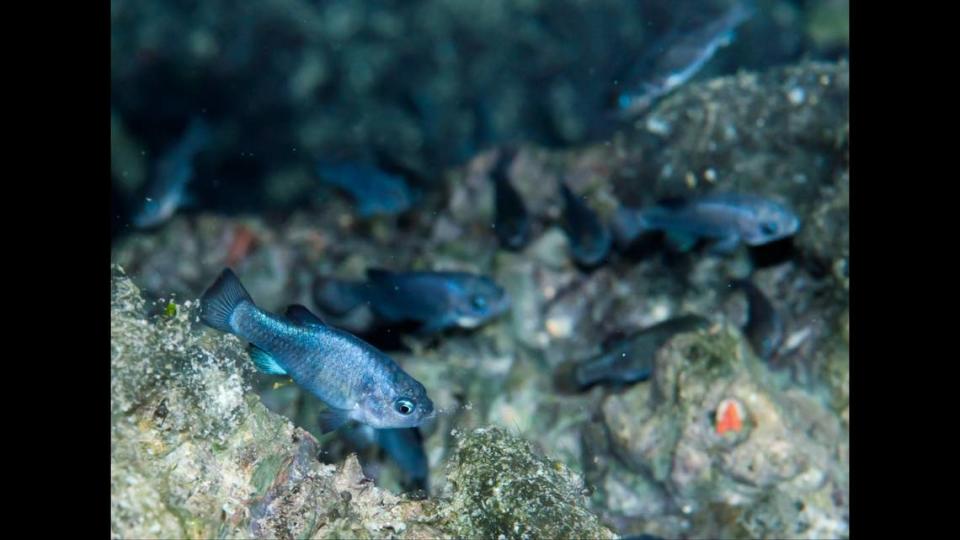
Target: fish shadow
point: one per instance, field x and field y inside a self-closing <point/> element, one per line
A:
<point x="773" y="253"/>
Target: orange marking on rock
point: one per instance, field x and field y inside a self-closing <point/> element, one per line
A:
<point x="729" y="416"/>
<point x="241" y="245"/>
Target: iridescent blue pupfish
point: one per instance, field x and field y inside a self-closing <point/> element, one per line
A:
<point x="354" y="379"/>
<point x="405" y="448"/>
<point x="435" y="300"/>
<point x="374" y="190"/>
<point x="629" y="359"/>
<point x="726" y="218"/>
<point x="681" y="56"/>
<point x="589" y="236"/>
<point x="167" y="190"/>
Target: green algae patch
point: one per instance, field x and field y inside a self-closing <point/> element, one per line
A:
<point x="264" y="474"/>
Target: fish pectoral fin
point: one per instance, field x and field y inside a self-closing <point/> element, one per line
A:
<point x="681" y="241"/>
<point x="303" y="316"/>
<point x="333" y="418"/>
<point x="725" y="246"/>
<point x="264" y="362"/>
<point x="431" y="328"/>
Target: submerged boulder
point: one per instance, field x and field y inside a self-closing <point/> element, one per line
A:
<point x="502" y="489"/>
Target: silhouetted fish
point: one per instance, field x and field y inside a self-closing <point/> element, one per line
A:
<point x="435" y="300"/>
<point x="167" y="190"/>
<point x="512" y="223"/>
<point x="727" y="218"/>
<point x="589" y="237"/>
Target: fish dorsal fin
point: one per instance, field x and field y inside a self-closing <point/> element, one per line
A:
<point x="303" y="316"/>
<point x="613" y="339"/>
<point x="264" y="362"/>
<point x="673" y="203"/>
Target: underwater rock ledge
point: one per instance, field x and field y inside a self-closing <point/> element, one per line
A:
<point x="194" y="454"/>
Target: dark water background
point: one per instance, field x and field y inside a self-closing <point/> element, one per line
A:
<point x="424" y="84"/>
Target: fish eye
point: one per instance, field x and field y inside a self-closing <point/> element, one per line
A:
<point x="403" y="406"/>
<point x="768" y="227"/>
<point x="479" y="301"/>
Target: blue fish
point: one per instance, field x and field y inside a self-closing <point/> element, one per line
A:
<point x="683" y="55"/>
<point x="589" y="236"/>
<point x="354" y="379"/>
<point x="374" y="190"/>
<point x="402" y="446"/>
<point x="435" y="300"/>
<point x="167" y="190"/>
<point x="512" y="223"/>
<point x="629" y="359"/>
<point x="728" y="219"/>
<point x="405" y="448"/>
<point x="764" y="326"/>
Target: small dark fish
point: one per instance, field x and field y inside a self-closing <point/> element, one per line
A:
<point x="764" y="327"/>
<point x="627" y="360"/>
<point x="726" y="218"/>
<point x="435" y="300"/>
<point x="167" y="191"/>
<point x="683" y="54"/>
<point x="357" y="381"/>
<point x="374" y="190"/>
<point x="405" y="448"/>
<point x="589" y="237"/>
<point x="512" y="223"/>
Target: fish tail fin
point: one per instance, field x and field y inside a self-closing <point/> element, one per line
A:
<point x="566" y="379"/>
<point x="196" y="135"/>
<point x="568" y="196"/>
<point x="739" y="283"/>
<point x="628" y="224"/>
<point x="335" y="296"/>
<point x="500" y="173"/>
<point x="220" y="301"/>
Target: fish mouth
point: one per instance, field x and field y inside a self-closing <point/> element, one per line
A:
<point x="427" y="418"/>
<point x="469" y="322"/>
<point x="795" y="225"/>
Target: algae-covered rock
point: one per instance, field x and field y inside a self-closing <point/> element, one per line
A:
<point x="194" y="454"/>
<point x="502" y="489"/>
<point x="723" y="468"/>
